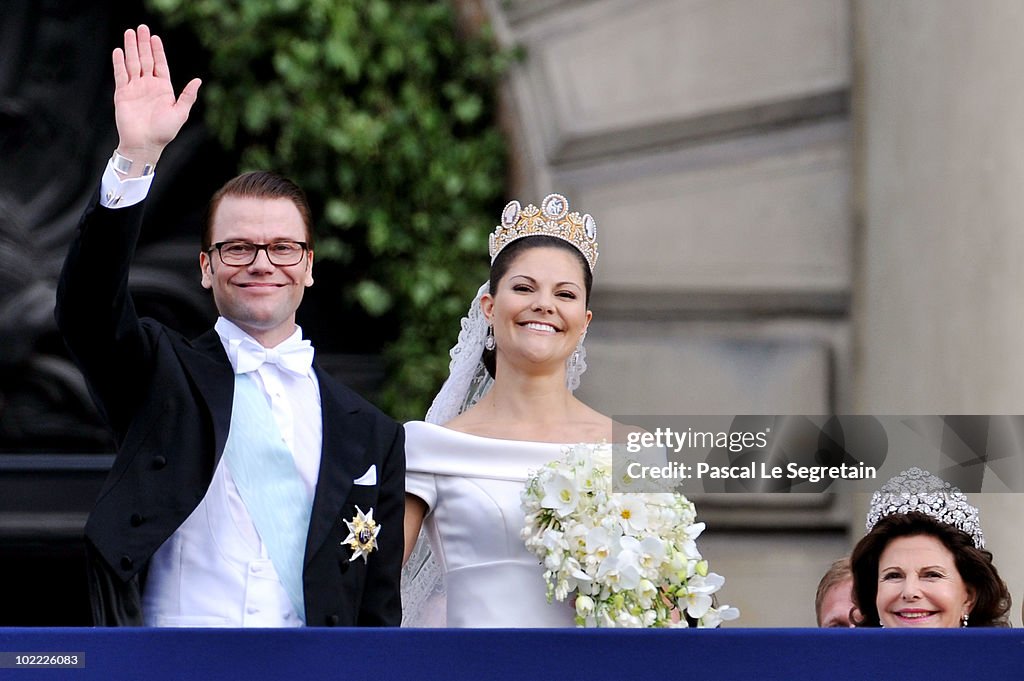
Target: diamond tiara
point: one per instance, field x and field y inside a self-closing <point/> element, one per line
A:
<point x="919" y="491"/>
<point x="551" y="219"/>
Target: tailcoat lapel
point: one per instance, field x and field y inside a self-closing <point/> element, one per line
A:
<point x="346" y="430"/>
<point x="208" y="367"/>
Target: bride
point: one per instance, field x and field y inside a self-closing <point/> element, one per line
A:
<point x="506" y="409"/>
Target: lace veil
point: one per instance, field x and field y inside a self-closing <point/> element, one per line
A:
<point x="423" y="588"/>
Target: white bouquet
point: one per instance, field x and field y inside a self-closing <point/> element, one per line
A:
<point x="631" y="560"/>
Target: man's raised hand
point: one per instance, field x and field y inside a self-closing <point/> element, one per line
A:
<point x="147" y="114"/>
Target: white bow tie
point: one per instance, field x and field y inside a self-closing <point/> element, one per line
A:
<point x="295" y="356"/>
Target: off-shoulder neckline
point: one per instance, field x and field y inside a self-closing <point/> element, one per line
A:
<point x="539" y="443"/>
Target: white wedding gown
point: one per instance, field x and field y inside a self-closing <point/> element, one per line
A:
<point x="472" y="487"/>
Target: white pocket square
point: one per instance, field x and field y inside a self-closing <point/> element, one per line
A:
<point x="367" y="478"/>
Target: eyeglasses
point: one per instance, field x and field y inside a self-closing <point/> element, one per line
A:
<point x="243" y="253"/>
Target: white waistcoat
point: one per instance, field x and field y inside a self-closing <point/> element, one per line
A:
<point x="214" y="570"/>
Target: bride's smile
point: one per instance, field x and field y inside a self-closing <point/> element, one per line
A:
<point x="540" y="326"/>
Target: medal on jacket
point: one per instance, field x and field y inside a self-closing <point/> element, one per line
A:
<point x="362" y="535"/>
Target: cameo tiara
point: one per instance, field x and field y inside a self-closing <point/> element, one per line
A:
<point x="551" y="219"/>
<point x="918" y="491"/>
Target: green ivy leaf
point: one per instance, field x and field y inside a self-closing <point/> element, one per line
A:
<point x="374" y="297"/>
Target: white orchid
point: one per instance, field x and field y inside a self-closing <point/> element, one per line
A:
<point x="697" y="601"/>
<point x="652" y="553"/>
<point x="646" y="592"/>
<point x="599" y="542"/>
<point x="560" y="494"/>
<point x="693" y="531"/>
<point x="716" y="616"/>
<point x="627" y="559"/>
<point x="622" y="570"/>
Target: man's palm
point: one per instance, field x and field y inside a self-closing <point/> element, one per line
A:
<point x="148" y="115"/>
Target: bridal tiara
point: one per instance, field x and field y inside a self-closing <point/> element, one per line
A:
<point x="918" y="491"/>
<point x="551" y="219"/>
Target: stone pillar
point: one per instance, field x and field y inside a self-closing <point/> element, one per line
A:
<point x="938" y="313"/>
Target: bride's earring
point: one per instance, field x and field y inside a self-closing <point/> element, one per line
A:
<point x="574" y="358"/>
<point x="963" y="620"/>
<point x="489" y="339"/>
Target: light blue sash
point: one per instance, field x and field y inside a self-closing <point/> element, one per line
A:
<point x="265" y="475"/>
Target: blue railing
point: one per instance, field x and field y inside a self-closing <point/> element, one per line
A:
<point x="548" y="655"/>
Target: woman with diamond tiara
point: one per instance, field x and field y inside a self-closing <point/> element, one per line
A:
<point x="923" y="561"/>
<point x="506" y="409"/>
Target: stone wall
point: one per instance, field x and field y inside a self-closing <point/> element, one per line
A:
<point x="711" y="142"/>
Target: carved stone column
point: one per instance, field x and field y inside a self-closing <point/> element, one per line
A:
<point x="938" y="311"/>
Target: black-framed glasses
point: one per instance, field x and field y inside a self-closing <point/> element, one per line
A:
<point x="243" y="253"/>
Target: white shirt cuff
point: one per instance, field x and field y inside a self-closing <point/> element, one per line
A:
<point x="118" y="193"/>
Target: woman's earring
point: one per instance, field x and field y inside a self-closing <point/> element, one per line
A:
<point x="963" y="620"/>
<point x="574" y="358"/>
<point x="489" y="339"/>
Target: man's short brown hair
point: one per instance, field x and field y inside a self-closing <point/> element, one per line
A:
<point x="260" y="184"/>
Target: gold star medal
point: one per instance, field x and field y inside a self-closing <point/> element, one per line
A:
<point x="362" y="535"/>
